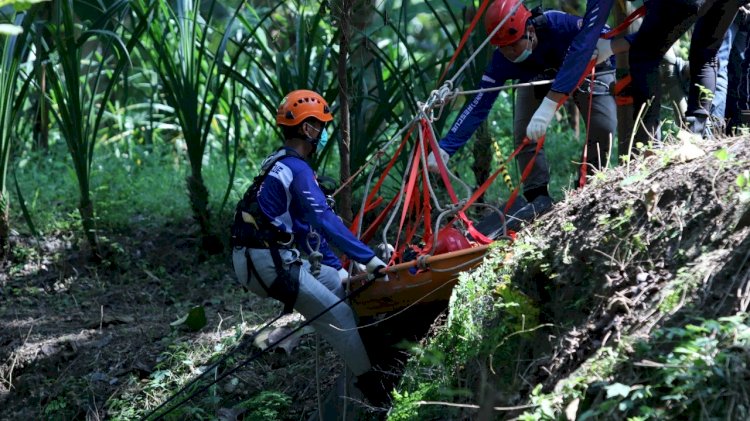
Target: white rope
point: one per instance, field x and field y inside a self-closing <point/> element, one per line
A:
<point x="484" y="43"/>
<point x="500" y="88"/>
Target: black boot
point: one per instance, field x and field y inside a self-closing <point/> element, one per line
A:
<point x="697" y="124"/>
<point x="539" y="206"/>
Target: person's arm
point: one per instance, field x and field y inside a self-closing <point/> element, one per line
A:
<point x="576" y="59"/>
<point x="317" y="212"/>
<point x="475" y="112"/>
<point x="582" y="48"/>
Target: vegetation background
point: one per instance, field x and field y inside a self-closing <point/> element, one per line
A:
<point x="130" y="128"/>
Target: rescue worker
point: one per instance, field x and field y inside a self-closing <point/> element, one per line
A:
<point x="665" y="22"/>
<point x="284" y="215"/>
<point x="532" y="47"/>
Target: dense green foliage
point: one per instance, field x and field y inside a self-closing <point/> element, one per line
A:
<point x="140" y="124"/>
<point x="147" y="112"/>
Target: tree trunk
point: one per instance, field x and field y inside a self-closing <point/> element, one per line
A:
<point x="86" y="209"/>
<point x="199" y="204"/>
<point x="345" y="196"/>
<point x="4" y="227"/>
<point x="482" y="150"/>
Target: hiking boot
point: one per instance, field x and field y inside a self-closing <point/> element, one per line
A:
<point x="372" y="387"/>
<point x="539" y="206"/>
<point x="491" y="225"/>
<point x="697" y="124"/>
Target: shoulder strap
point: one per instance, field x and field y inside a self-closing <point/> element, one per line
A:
<point x="269" y="162"/>
<point x="538" y="19"/>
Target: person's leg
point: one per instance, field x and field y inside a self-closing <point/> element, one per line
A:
<point x="738" y="100"/>
<point x="707" y="38"/>
<point x="664" y="23"/>
<point x="336" y="325"/>
<point x="719" y="103"/>
<point x="734" y="70"/>
<point x="603" y="124"/>
<point x="329" y="277"/>
<point x="538" y="179"/>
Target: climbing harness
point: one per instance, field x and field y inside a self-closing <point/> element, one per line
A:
<point x="315" y="257"/>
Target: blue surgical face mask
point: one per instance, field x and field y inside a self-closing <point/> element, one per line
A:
<point x="526" y="52"/>
<point x="323" y="138"/>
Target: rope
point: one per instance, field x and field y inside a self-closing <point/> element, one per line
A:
<point x="486" y="40"/>
<point x="377" y="154"/>
<point x="251" y="358"/>
<point x="516" y="85"/>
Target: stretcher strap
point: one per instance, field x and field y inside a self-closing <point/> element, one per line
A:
<point x="478" y="236"/>
<point x="478" y="15"/>
<point x="371" y="196"/>
<point x="622" y="27"/>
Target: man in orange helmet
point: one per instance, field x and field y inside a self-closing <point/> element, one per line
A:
<point x="284" y="212"/>
<point x="532" y="46"/>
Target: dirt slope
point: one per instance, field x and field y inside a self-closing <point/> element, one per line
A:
<point x="624" y="271"/>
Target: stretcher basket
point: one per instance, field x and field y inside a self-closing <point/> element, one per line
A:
<point x="424" y="280"/>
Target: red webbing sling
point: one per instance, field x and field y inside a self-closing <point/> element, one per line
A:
<point x="478" y="15"/>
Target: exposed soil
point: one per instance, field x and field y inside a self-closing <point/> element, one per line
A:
<point x="82" y="335"/>
<point x="656" y="244"/>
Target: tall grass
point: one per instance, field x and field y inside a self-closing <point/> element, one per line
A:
<point x="11" y="102"/>
<point x="84" y="67"/>
<point x="190" y="55"/>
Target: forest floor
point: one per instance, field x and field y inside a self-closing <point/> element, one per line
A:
<point x="94" y="341"/>
<point x="80" y="340"/>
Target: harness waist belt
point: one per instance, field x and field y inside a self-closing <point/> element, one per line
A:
<point x="281" y="241"/>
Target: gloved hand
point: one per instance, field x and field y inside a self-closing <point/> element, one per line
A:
<point x="603" y="50"/>
<point x="374" y="267"/>
<point x="343" y="274"/>
<point x="432" y="164"/>
<point x="538" y="125"/>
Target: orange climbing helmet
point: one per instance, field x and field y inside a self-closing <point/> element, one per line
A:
<point x="302" y="104"/>
<point x="513" y="28"/>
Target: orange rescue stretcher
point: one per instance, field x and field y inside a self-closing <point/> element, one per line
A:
<point x="433" y="280"/>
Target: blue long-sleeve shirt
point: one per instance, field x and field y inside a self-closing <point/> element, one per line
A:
<point x="555" y="38"/>
<point x="291" y="198"/>
<point x="582" y="46"/>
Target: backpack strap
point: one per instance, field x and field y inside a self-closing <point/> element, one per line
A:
<point x="251" y="227"/>
<point x="538" y="18"/>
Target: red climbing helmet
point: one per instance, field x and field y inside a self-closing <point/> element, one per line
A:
<point x="301" y="104"/>
<point x="513" y="28"/>
<point x="450" y="239"/>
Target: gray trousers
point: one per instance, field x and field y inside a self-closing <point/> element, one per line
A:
<point x="337" y="325"/>
<point x="602" y="130"/>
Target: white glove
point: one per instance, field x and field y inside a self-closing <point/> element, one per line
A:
<point x="538" y="125"/>
<point x="432" y="164"/>
<point x="343" y="274"/>
<point x="373" y="267"/>
<point x="603" y="50"/>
